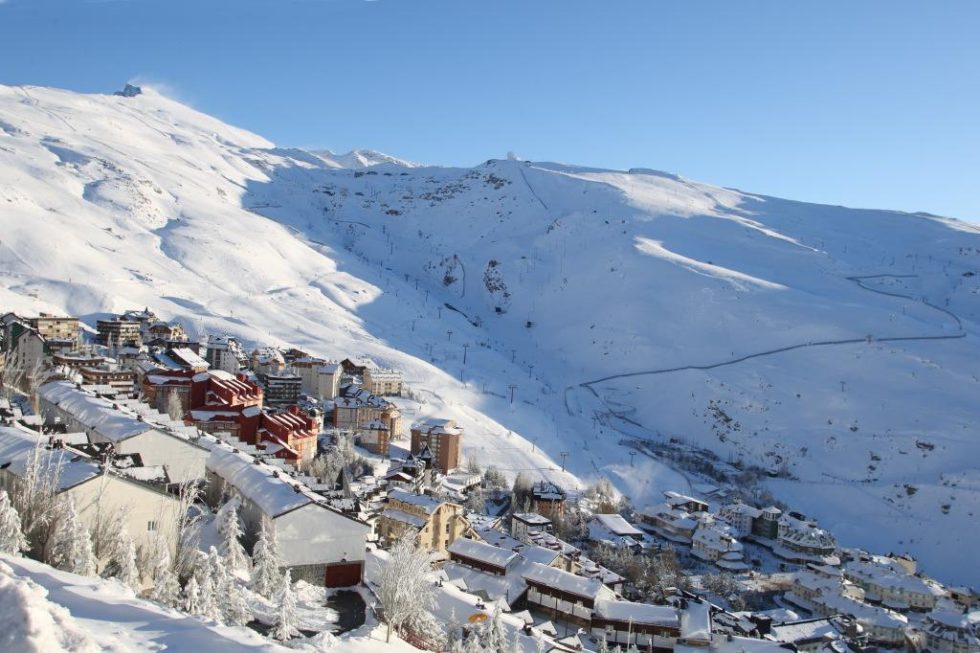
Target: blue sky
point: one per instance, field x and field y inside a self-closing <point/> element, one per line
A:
<point x="859" y="103"/>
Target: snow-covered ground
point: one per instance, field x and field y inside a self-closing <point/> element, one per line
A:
<point x="585" y="293"/>
<point x="43" y="610"/>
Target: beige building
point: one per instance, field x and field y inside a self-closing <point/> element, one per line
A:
<point x="147" y="513"/>
<point x="360" y="408"/>
<point x="438" y="523"/>
<point x="321" y="378"/>
<point x="383" y="382"/>
<point x="52" y="327"/>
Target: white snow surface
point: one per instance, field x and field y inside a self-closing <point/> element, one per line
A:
<point x="43" y="610"/>
<point x="559" y="280"/>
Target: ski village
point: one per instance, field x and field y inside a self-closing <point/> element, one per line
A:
<point x="276" y="496"/>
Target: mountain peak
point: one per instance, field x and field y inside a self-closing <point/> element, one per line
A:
<point x="361" y="158"/>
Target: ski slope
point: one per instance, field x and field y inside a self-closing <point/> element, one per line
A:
<point x="836" y="346"/>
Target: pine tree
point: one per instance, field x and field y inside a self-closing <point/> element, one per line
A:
<point x="453" y="631"/>
<point x="230" y="530"/>
<point x="285" y="628"/>
<point x="12" y="538"/>
<point x="192" y="596"/>
<point x="515" y="644"/>
<point x="210" y="603"/>
<point x="495" y="640"/>
<point x="236" y="608"/>
<point x="166" y="589"/>
<point x="603" y="646"/>
<point x="71" y="543"/>
<point x="266" y="563"/>
<point x="175" y="409"/>
<point x="474" y="644"/>
<point x="85" y="563"/>
<point x="123" y="565"/>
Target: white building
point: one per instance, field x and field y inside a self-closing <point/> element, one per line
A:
<point x="716" y="542"/>
<point x="101" y="495"/>
<point x="953" y="632"/>
<point x="128" y="427"/>
<point x="800" y="540"/>
<point x="320" y="378"/>
<point x="740" y="516"/>
<point x="225" y="353"/>
<point x="320" y="544"/>
<point x="888" y="582"/>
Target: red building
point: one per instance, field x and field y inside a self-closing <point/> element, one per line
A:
<point x="219" y="402"/>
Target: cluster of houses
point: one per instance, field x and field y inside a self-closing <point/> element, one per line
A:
<point x="130" y="414"/>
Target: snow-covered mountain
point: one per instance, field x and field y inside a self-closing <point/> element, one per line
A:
<point x="360" y="159"/>
<point x="836" y="347"/>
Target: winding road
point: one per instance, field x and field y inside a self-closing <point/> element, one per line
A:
<point x="859" y="280"/>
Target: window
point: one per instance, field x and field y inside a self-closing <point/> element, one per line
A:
<point x="151" y="526"/>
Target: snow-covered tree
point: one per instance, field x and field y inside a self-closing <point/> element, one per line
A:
<point x="12" y="538"/>
<point x="266" y="562"/>
<point x="230" y="531"/>
<point x="476" y="499"/>
<point x="404" y="590"/>
<point x="175" y="409"/>
<point x="210" y="601"/>
<point x="603" y="646"/>
<point x="36" y="500"/>
<point x="473" y="643"/>
<point x="494" y="639"/>
<point x="126" y="569"/>
<point x="166" y="589"/>
<point x="71" y="546"/>
<point x="192" y="596"/>
<point x="515" y="642"/>
<point x="286" y="621"/>
<point x="235" y="606"/>
<point x="187" y="530"/>
<point x="454" y="631"/>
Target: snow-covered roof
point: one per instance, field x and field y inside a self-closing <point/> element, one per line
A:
<point x="427" y="503"/>
<point x="95" y="413"/>
<point x="617" y="525"/>
<point x="404" y="517"/>
<point x="189" y="357"/>
<point x="531" y="518"/>
<point x="888" y="576"/>
<point x="739" y="508"/>
<point x="588" y="588"/>
<point x="538" y="554"/>
<point x="808" y="629"/>
<point x="481" y="552"/>
<point x="18" y="448"/>
<point x="696" y="622"/>
<point x="262" y="484"/>
<point x="639" y="613"/>
<point x="508" y="588"/>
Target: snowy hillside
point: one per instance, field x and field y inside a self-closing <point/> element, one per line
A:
<point x="614" y="305"/>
